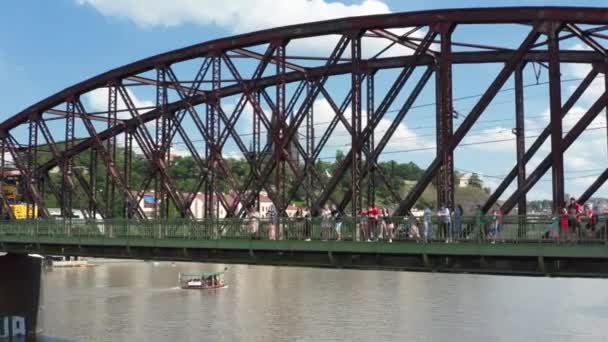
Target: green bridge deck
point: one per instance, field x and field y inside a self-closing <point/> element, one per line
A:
<point x="231" y="241"/>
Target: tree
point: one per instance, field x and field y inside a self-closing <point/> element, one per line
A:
<point x="475" y="181"/>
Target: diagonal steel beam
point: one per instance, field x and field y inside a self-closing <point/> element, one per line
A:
<point x="6" y="209"/>
<point x="299" y="174"/>
<point x="470" y="120"/>
<point x="148" y="147"/>
<point x="177" y="116"/>
<point x="599" y="182"/>
<point x="108" y="160"/>
<point x="87" y="189"/>
<point x="273" y="60"/>
<point x="11" y="144"/>
<point x="319" y="80"/>
<point x="379" y="115"/>
<point x="404" y="41"/>
<point x="315" y="151"/>
<point x="56" y="155"/>
<point x="567" y="141"/>
<point x="540" y="140"/>
<point x="370" y="161"/>
<point x="393" y="127"/>
<point x="205" y="169"/>
<point x="584" y="36"/>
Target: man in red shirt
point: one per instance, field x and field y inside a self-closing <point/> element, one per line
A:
<point x="373" y="221"/>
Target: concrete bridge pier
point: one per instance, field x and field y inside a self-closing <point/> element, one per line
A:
<point x="19" y="296"/>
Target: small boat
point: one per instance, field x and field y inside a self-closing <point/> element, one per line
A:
<point x="201" y="281"/>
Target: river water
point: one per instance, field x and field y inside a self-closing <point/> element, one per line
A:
<point x="139" y="301"/>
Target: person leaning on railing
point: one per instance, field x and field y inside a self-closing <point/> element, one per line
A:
<point x="480" y="223"/>
<point x="273" y="219"/>
<point x="428" y="224"/>
<point x="337" y="214"/>
<point x="254" y="222"/>
<point x="299" y="223"/>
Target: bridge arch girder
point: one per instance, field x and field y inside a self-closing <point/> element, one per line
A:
<point x="226" y="79"/>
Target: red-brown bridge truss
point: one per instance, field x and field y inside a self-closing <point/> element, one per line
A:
<point x="276" y="88"/>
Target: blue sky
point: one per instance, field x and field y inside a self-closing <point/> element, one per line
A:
<point x="46" y="46"/>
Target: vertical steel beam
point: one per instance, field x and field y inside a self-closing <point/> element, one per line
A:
<point x="110" y="187"/>
<point x="12" y="145"/>
<point x="256" y="148"/>
<point x="396" y="122"/>
<point x="281" y="151"/>
<point x="5" y="209"/>
<point x="66" y="189"/>
<point x="383" y="107"/>
<point x="127" y="159"/>
<point x="355" y="50"/>
<point x="161" y="134"/>
<point x="93" y="183"/>
<point x="538" y="142"/>
<point x="301" y="113"/>
<point x="567" y="141"/>
<point x="310" y="147"/>
<point x="520" y="147"/>
<point x="445" y="150"/>
<point x="470" y="119"/>
<point x="371" y="116"/>
<point x="555" y="98"/>
<point x="32" y="160"/>
<point x="208" y="195"/>
<point x="213" y="132"/>
<point x="520" y="136"/>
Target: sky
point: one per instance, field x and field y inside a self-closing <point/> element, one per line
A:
<point x="46" y="46"/>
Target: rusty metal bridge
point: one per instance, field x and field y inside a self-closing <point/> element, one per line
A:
<point x="204" y="91"/>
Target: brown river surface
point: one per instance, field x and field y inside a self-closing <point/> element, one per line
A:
<point x="139" y="301"/>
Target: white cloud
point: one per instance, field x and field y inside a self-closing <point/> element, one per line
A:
<point x="403" y="138"/>
<point x="580" y="70"/>
<point x="238" y="16"/>
<point x="98" y="102"/>
<point x="578" y="162"/>
<point x="501" y="140"/>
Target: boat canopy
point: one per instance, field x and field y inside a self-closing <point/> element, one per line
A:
<point x="202" y="274"/>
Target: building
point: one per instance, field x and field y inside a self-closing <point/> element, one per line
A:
<point x="464" y="180"/>
<point x="150" y="206"/>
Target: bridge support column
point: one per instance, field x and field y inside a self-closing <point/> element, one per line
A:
<point x="520" y="147"/>
<point x="19" y="295"/>
<point x="445" y="112"/>
<point x="555" y="99"/>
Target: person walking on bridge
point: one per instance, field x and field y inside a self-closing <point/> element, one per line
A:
<point x="444" y="218"/>
<point x="575" y="211"/>
<point x="254" y="218"/>
<point x="273" y="219"/>
<point x="428" y="225"/>
<point x="337" y="214"/>
<point x="457" y="225"/>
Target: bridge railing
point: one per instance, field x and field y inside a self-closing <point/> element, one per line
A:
<point x="482" y="229"/>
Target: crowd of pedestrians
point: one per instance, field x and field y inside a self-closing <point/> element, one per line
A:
<point x="575" y="221"/>
<point x="443" y="224"/>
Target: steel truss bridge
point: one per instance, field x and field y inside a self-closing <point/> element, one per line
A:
<point x="533" y="253"/>
<point x="203" y="92"/>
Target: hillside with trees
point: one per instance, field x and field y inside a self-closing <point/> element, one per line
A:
<point x="400" y="176"/>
